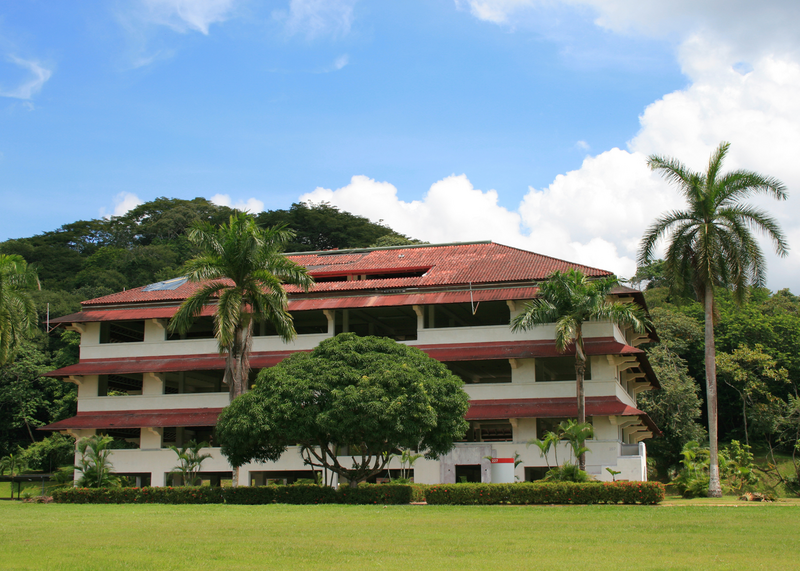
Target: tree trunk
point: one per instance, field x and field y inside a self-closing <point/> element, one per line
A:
<point x="237" y="362"/>
<point x="237" y="372"/>
<point x="580" y="372"/>
<point x="714" y="485"/>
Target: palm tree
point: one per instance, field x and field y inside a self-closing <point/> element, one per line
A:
<point x="17" y="310"/>
<point x="569" y="299"/>
<point x="711" y="245"/>
<point x="190" y="459"/>
<point x="242" y="272"/>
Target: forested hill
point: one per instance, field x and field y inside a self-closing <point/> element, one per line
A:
<point x="91" y="258"/>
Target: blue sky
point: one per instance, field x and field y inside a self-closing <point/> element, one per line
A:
<point x="521" y="121"/>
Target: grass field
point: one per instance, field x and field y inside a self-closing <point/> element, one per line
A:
<point x="220" y="537"/>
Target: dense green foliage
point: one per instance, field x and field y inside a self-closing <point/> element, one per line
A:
<point x="324" y="227"/>
<point x="29" y="400"/>
<point x="526" y="493"/>
<point x="370" y="394"/>
<point x="17" y="308"/>
<point x="296" y="494"/>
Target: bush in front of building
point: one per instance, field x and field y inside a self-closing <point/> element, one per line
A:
<point x="375" y="494"/>
<point x="295" y="494"/>
<point x="546" y="493"/>
<point x="181" y="495"/>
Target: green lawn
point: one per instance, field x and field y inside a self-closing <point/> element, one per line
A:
<point x="219" y="537"/>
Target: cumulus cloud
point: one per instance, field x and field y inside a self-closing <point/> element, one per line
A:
<point x="318" y="17"/>
<point x="250" y="205"/>
<point x="732" y="21"/>
<point x="185" y="15"/>
<point x="123" y="202"/>
<point x="30" y="86"/>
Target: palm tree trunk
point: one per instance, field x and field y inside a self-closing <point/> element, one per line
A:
<point x="580" y="372"/>
<point x="714" y="486"/>
<point x="237" y="372"/>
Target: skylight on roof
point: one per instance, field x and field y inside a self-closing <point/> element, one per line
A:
<point x="167" y="285"/>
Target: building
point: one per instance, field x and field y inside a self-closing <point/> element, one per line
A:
<point x="138" y="382"/>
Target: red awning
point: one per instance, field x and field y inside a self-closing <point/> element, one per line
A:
<point x="307" y="304"/>
<point x="553" y="408"/>
<point x="174" y="363"/>
<point x="260" y="360"/>
<point x="478" y="410"/>
<point x="523" y="349"/>
<point x="139" y="419"/>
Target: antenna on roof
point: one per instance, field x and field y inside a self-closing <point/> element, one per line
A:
<point x="472" y="301"/>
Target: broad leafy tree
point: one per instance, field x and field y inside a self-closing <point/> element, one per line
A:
<point x="710" y="245"/>
<point x="364" y="398"/>
<point x="17" y="310"/>
<point x="568" y="300"/>
<point x="241" y="272"/>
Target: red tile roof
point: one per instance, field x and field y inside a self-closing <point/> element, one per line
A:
<point x="440" y="352"/>
<point x="478" y="410"/>
<point x="450" y="265"/>
<point x="311" y="303"/>
<point x="139" y="419"/>
<point x="553" y="408"/>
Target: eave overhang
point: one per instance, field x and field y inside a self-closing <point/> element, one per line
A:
<point x="440" y="352"/>
<point x="354" y="300"/>
<point x="138" y="419"/>
<point x="554" y="408"/>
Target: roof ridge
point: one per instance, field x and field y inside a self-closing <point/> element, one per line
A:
<point x="378" y="248"/>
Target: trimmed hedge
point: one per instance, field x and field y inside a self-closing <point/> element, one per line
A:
<point x="525" y="493"/>
<point x="297" y="494"/>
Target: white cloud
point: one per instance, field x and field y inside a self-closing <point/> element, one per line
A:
<point x="318" y="17"/>
<point x="582" y="145"/>
<point x="123" y="202"/>
<point x="252" y="205"/>
<point x="31" y="86"/>
<point x="341" y="61"/>
<point x="754" y="28"/>
<point x="184" y="15"/>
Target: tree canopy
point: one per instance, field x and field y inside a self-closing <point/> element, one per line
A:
<point x="361" y="397"/>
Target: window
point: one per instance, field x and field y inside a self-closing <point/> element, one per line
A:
<point x="185" y="382"/>
<point x="559" y="369"/>
<point x="398" y="323"/>
<point x="121" y="331"/>
<point x="119" y="385"/>
<point x="488" y="371"/>
<point x="202" y="328"/>
<point x="479" y="314"/>
<point x="489" y="431"/>
<point x="544" y="425"/>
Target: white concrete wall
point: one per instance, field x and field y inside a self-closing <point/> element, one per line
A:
<point x="154" y="402"/>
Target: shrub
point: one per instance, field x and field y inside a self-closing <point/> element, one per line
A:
<point x="296" y="494"/>
<point x="546" y="493"/>
<point x="375" y="494"/>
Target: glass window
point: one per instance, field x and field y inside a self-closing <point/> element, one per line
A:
<point x="559" y="369"/>
<point x="121" y="331"/>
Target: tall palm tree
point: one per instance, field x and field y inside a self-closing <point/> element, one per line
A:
<point x="17" y="310"/>
<point x="710" y="245"/>
<point x="242" y="272"/>
<point x="569" y="299"/>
